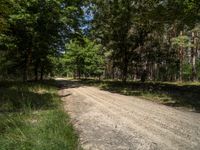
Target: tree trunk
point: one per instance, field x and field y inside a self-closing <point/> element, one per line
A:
<point x="36" y="71"/>
<point x="79" y="74"/>
<point x="42" y="72"/>
<point x="155" y="72"/>
<point x="25" y="74"/>
<point x="181" y="61"/>
<point x="27" y="64"/>
<point x="181" y="66"/>
<point x="125" y="67"/>
<point x="193" y="59"/>
<point x="113" y="72"/>
<point x="74" y="74"/>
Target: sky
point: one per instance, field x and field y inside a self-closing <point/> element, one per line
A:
<point x="88" y="17"/>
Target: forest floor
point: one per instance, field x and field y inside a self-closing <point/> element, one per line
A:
<point x="111" y="121"/>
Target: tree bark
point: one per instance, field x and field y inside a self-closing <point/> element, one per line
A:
<point x="125" y="67"/>
<point x="27" y="64"/>
<point x="79" y="73"/>
<point x="193" y="58"/>
<point x="36" y="70"/>
<point x="181" y="66"/>
<point x="42" y="72"/>
<point x="25" y="74"/>
<point x="181" y="61"/>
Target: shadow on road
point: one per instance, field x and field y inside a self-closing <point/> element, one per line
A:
<point x="65" y="84"/>
<point x="172" y="95"/>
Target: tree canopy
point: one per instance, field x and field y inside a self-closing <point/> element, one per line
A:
<point x="119" y="39"/>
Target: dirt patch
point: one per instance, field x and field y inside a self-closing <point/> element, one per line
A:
<point x="108" y="121"/>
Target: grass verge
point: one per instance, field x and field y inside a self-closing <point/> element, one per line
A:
<point x="31" y="117"/>
<point x="184" y="95"/>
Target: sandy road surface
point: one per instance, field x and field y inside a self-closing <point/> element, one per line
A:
<point x="108" y="121"/>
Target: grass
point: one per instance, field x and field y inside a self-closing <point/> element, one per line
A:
<point x="174" y="94"/>
<point x="31" y="117"/>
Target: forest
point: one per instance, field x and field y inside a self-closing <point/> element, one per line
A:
<point x="126" y="40"/>
<point x="149" y="49"/>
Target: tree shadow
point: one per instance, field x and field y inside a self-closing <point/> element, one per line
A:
<point x="180" y="95"/>
<point x="66" y="84"/>
<point x="18" y="97"/>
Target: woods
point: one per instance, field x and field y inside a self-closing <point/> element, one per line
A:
<point x="132" y="40"/>
<point x="34" y="33"/>
<point x="156" y="38"/>
<point x="126" y="71"/>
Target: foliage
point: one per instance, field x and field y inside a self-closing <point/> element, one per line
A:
<point x="143" y="36"/>
<point x="84" y="58"/>
<point x="182" y="41"/>
<point x="36" y="31"/>
<point x="140" y="36"/>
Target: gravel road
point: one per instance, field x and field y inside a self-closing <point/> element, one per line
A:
<point x="110" y="121"/>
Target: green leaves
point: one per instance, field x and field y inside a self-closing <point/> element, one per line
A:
<point x="183" y="41"/>
<point x="84" y="58"/>
<point x="32" y="32"/>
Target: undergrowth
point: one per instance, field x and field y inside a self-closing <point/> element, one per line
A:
<point x="31" y="118"/>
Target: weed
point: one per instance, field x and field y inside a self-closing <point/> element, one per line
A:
<point x="31" y="118"/>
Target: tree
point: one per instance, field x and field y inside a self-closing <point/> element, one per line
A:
<point x="84" y="58"/>
<point x="140" y="38"/>
<point x="182" y="42"/>
<point x="39" y="30"/>
<point x="194" y="51"/>
<point x="139" y="35"/>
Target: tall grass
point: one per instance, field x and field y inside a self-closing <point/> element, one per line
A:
<point x="31" y="118"/>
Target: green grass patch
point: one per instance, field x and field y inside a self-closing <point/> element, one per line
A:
<point x="31" y="117"/>
<point x="175" y="94"/>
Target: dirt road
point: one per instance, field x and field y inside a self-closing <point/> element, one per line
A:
<point x="109" y="121"/>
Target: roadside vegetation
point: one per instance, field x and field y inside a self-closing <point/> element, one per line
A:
<point x="31" y="117"/>
<point x="174" y="94"/>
